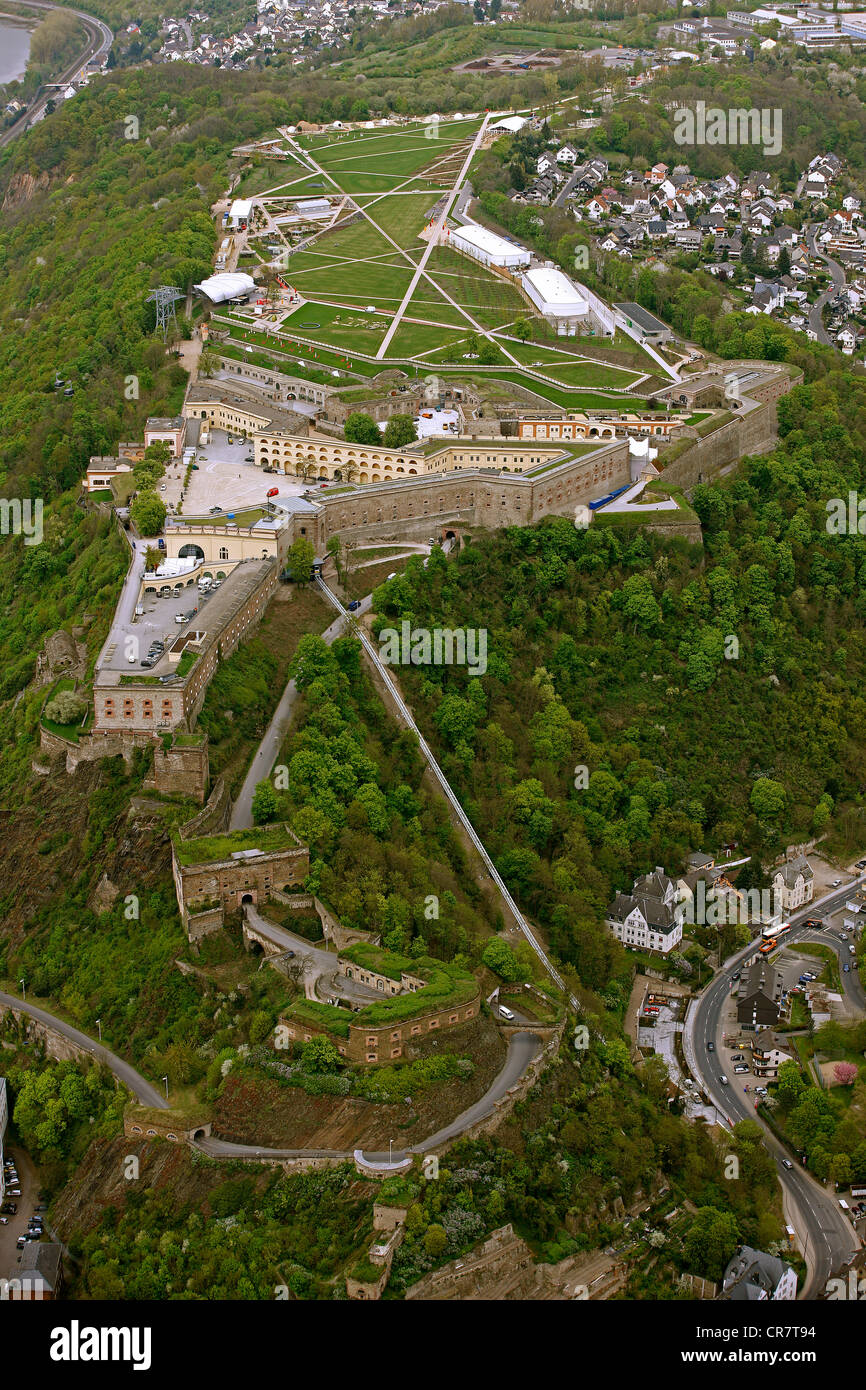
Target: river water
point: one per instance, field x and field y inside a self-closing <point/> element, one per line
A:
<point x="14" y="48"/>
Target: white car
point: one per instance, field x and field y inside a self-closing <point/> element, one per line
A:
<point x="505" y="1013"/>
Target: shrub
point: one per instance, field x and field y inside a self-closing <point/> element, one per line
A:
<point x="65" y="708"/>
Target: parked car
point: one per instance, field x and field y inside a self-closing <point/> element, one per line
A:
<point x="356" y="603"/>
<point x="505" y="1013"/>
<point x="738" y="1057"/>
<point x="9" y="1208"/>
<point x="835" y="883"/>
<point x="4" y="1220"/>
<point x="846" y="970"/>
<point x="741" y="1071"/>
<point x="179" y="618"/>
<point x="148" y="662"/>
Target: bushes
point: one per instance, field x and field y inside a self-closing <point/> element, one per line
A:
<point x="66" y="708"/>
<point x="499" y="957"/>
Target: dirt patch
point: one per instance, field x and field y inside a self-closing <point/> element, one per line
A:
<point x="261" y="1110"/>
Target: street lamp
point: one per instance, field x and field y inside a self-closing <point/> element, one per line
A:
<point x="99" y="1026"/>
<point x="390" y="1146"/>
<point x="23" y="990"/>
<point x="165" y="1079"/>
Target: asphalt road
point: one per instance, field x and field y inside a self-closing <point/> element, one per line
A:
<point x="267" y="751"/>
<point x="816" y="320"/>
<point x="827" y="1237"/>
<point x="141" y="1089"/>
<point x="521" y="1049"/>
<point x="99" y="41"/>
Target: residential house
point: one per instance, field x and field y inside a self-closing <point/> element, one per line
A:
<point x="759" y="996"/>
<point x="793" y="883"/>
<point x="769" y="1051"/>
<point x="650" y="917"/>
<point x="756" y="1277"/>
<point x="38" y="1276"/>
<point x="688" y="239"/>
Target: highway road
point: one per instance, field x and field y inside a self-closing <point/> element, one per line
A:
<point x="826" y="1236"/>
<point x="99" y="41"/>
<point x="141" y="1089"/>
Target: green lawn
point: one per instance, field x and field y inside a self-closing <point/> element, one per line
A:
<point x="208" y="849"/>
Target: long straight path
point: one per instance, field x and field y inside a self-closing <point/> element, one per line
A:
<point x="451" y="796"/>
<point x="483" y="332"/>
<point x="266" y="754"/>
<point x="434" y="238"/>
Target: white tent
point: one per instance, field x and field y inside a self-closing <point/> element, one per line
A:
<point x="226" y="285"/>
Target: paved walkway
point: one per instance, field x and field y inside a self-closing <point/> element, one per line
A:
<point x="267" y="751"/>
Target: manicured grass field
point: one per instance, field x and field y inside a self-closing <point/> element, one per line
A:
<point x="412" y="338"/>
<point x="491" y="300"/>
<point x="402" y="216"/>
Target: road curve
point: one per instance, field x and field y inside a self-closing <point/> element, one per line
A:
<point x="816" y="319"/>
<point x="522" y="1048"/>
<point x="827" y="1237"/>
<point x="144" y="1093"/>
<point x="99" y="41"/>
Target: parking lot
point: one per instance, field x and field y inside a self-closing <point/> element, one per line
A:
<point x="156" y="623"/>
<point x="223" y="478"/>
<point x="26" y="1204"/>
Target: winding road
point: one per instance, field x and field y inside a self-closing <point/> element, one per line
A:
<point x="522" y="1048"/>
<point x="826" y="1235"/>
<point x="816" y="313"/>
<point x="99" y="41"/>
<point x="144" y="1093"/>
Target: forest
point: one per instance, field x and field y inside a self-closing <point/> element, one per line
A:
<point x="612" y="651"/>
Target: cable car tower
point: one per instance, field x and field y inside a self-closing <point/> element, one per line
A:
<point x="164" y="297"/>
